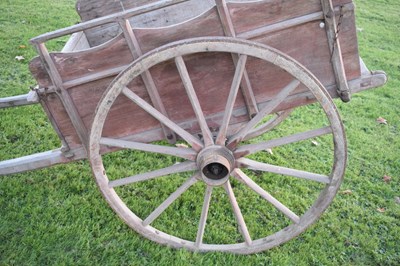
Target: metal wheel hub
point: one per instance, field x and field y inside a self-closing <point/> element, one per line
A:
<point x="215" y="164"/>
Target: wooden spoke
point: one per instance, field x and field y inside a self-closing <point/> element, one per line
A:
<point x="185" y="153"/>
<point x="270" y="124"/>
<point x="250" y="164"/>
<point x="239" y="136"/>
<point x="208" y="139"/>
<point x="203" y="217"/>
<point x="253" y="148"/>
<point x="176" y="168"/>
<point x="237" y="79"/>
<point x="193" y="141"/>
<point x="160" y="209"/>
<point x="238" y="214"/>
<point x="242" y="177"/>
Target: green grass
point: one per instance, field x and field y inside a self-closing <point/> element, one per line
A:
<point x="57" y="215"/>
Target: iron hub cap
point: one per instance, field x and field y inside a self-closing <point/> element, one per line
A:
<point x="215" y="164"/>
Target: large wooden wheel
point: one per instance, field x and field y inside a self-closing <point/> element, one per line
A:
<point x="225" y="161"/>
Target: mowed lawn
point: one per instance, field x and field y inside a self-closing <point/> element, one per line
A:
<point x="57" y="216"/>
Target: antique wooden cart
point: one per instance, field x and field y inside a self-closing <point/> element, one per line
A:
<point x="218" y="78"/>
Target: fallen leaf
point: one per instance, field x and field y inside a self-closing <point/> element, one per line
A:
<point x="381" y="210"/>
<point x="270" y="151"/>
<point x="19" y="57"/>
<point x="181" y="145"/>
<point x="347" y="192"/>
<point x="397" y="200"/>
<point x="386" y="178"/>
<point x="381" y="120"/>
<point x="315" y="143"/>
<point x="22" y="47"/>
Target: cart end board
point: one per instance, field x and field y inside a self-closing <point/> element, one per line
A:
<point x="294" y="27"/>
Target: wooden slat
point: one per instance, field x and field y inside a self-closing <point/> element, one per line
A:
<point x="38" y="161"/>
<point x="206" y="24"/>
<point x="103" y="20"/>
<point x="168" y="16"/>
<point x="74" y="66"/>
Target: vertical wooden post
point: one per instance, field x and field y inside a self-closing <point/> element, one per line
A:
<point x="229" y="31"/>
<point x="146" y="76"/>
<point x="63" y="94"/>
<point x="332" y="31"/>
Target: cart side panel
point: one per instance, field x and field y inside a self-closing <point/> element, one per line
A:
<point x="87" y="74"/>
<point x="39" y="72"/>
<point x="91" y="9"/>
<point x="306" y="42"/>
<point x="101" y="59"/>
<point x="208" y="24"/>
<point x="62" y="120"/>
<point x="269" y="12"/>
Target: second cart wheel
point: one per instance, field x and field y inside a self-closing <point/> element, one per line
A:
<point x="233" y="196"/>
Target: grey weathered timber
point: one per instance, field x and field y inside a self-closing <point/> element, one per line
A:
<point x="104" y="20"/>
<point x="20" y="100"/>
<point x="158" y="17"/>
<point x="38" y="161"/>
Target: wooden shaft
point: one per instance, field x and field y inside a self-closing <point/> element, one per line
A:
<point x="19" y="100"/>
<point x="38" y="161"/>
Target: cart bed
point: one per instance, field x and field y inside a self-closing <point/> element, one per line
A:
<point x="291" y="27"/>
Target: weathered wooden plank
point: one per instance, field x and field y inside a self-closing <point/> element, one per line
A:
<point x="75" y="65"/>
<point x="207" y="24"/>
<point x="104" y="20"/>
<point x="269" y="12"/>
<point x="90" y="9"/>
